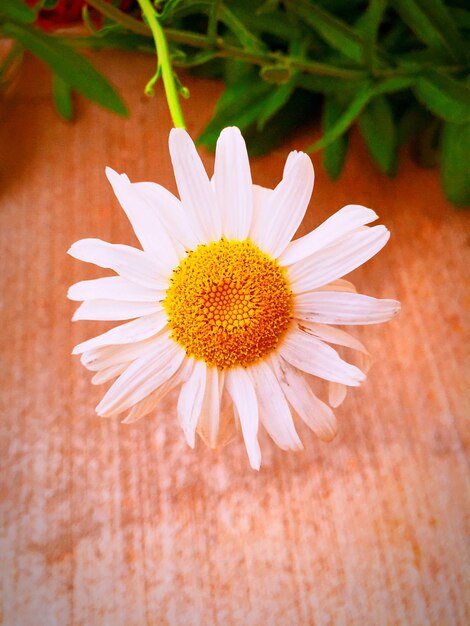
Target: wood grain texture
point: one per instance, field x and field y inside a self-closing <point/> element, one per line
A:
<point x="104" y="524"/>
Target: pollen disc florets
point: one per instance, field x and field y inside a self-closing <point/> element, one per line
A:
<point x="228" y="303"/>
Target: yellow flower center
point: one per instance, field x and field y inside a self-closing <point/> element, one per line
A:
<point x="228" y="303"/>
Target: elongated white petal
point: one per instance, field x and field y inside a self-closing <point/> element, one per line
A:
<point x="129" y="262"/>
<point x="228" y="428"/>
<point x="260" y="196"/>
<point x="232" y="183"/>
<point x="243" y="394"/>
<point x="114" y="310"/>
<point x="131" y="332"/>
<point x="209" y="420"/>
<point x="113" y="288"/>
<point x="150" y="403"/>
<point x="337" y="260"/>
<point x="190" y="401"/>
<point x="274" y="411"/>
<point x="331" y="334"/>
<point x="142" y="377"/>
<point x="108" y="373"/>
<point x="286" y="206"/>
<point x="330" y="307"/>
<point x="315" y="357"/>
<point x="339" y="224"/>
<point x="179" y="223"/>
<point x="315" y="413"/>
<point x="336" y="394"/>
<point x="146" y="222"/>
<point x="98" y="359"/>
<point x="194" y="187"/>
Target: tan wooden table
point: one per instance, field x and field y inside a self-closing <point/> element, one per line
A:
<point x="104" y="524"/>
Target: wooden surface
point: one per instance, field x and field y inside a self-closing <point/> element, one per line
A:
<point x="104" y="524"/>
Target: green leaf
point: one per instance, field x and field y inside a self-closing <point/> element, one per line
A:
<point x="412" y="122"/>
<point x="273" y="23"/>
<point x="331" y="29"/>
<point x="168" y="8"/>
<point x="455" y="164"/>
<point x="17" y="11"/>
<point x="122" y="39"/>
<point x="347" y="118"/>
<point x="74" y="69"/>
<point x="274" y="102"/>
<point x="426" y="148"/>
<point x="334" y="155"/>
<point x="240" y="105"/>
<point x="327" y="84"/>
<point x="368" y="27"/>
<point x="238" y="28"/>
<point x="380" y="134"/>
<point x="397" y="83"/>
<point x="444" y="96"/>
<point x="368" y="23"/>
<point x="291" y="118"/>
<point x="62" y="97"/>
<point x="461" y="17"/>
<point x="432" y="23"/>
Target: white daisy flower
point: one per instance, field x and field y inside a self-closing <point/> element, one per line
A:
<point x="223" y="304"/>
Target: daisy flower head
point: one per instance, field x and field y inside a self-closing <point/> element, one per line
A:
<point x="223" y="305"/>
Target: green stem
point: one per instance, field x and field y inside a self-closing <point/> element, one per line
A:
<point x="118" y="16"/>
<point x="213" y="19"/>
<point x="164" y="63"/>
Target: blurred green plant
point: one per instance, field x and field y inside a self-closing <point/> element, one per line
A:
<point x="398" y="68"/>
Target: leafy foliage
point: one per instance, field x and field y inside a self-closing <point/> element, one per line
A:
<point x="399" y="69"/>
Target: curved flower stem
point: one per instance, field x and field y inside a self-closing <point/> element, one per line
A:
<point x="164" y="64"/>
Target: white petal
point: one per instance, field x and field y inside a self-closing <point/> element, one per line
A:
<point x="194" y="187"/>
<point x="286" y="206"/>
<point x="274" y="411"/>
<point x="331" y="334"/>
<point x="208" y="425"/>
<point x="337" y="260"/>
<point x="315" y="357"/>
<point x="336" y="394"/>
<point x="142" y="377"/>
<point x="108" y="373"/>
<point x="113" y="288"/>
<point x="315" y="413"/>
<point x="339" y="224"/>
<point x="330" y="307"/>
<point x="260" y="196"/>
<point x="114" y="310"/>
<point x="232" y="183"/>
<point x="129" y="262"/>
<point x="243" y="394"/>
<point x="148" y="404"/>
<point x="146" y="222"/>
<point x="179" y="223"/>
<point x="228" y="428"/>
<point x="97" y="359"/>
<point x="131" y="332"/>
<point x="190" y="401"/>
